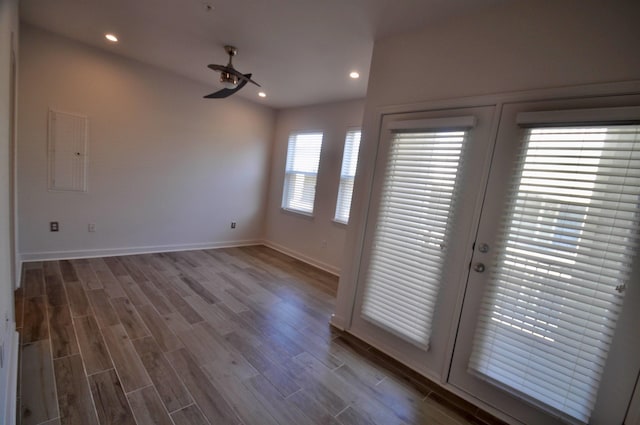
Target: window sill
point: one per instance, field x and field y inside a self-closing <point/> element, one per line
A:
<point x="340" y="223"/>
<point x="298" y="213"/>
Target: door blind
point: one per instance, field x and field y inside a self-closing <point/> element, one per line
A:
<point x="565" y="252"/>
<point x="411" y="236"/>
<point x="303" y="158"/>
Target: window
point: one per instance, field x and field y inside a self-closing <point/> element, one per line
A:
<point x="409" y="246"/>
<point x="303" y="157"/>
<point x="347" y="175"/>
<point x="568" y="241"/>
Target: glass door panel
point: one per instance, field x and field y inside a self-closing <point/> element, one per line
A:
<point x="545" y="333"/>
<point x="428" y="178"/>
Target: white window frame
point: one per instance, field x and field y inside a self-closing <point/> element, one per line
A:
<point x="346" y="178"/>
<point x="302" y="164"/>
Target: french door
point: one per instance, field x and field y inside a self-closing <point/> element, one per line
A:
<point x="548" y="331"/>
<point x="429" y="172"/>
<point x="526" y="257"/>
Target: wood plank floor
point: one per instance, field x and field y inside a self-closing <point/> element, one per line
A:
<point x="230" y="336"/>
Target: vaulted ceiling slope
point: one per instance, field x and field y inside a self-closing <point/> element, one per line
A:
<point x="301" y="51"/>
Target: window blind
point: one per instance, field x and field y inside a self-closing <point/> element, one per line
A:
<point x="410" y="240"/>
<point x="347" y="175"/>
<point x="565" y="252"/>
<point x="303" y="157"/>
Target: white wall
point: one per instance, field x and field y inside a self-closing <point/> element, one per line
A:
<point x="296" y="234"/>
<point x="8" y="346"/>
<point x="167" y="169"/>
<point x="524" y="45"/>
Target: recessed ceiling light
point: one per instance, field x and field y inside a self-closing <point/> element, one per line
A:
<point x="354" y="74"/>
<point x="112" y="38"/>
<point x="262" y="94"/>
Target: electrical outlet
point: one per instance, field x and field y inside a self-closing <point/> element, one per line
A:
<point x="233" y="224"/>
<point x="92" y="227"/>
<point x="54" y="226"/>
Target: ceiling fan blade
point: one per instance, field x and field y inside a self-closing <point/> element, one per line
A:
<point x="221" y="94"/>
<point x="253" y="82"/>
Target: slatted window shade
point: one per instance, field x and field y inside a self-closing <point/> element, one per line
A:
<point x="414" y="220"/>
<point x="566" y="247"/>
<point x="347" y="175"/>
<point x="303" y="158"/>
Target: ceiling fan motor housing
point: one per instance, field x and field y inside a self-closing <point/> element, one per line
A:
<point x="228" y="79"/>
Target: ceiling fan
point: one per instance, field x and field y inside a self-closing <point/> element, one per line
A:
<point x="230" y="78"/>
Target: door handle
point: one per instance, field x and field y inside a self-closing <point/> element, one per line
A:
<point x="479" y="267"/>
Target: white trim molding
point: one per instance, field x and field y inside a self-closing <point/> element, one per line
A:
<point x="338" y="322"/>
<point x="112" y="252"/>
<point x="9" y="374"/>
<point x="304" y="258"/>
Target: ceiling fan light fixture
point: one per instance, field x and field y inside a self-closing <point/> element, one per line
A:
<point x="262" y="94"/>
<point x="228" y="80"/>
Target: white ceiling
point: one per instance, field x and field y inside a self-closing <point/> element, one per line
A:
<point x="300" y="51"/>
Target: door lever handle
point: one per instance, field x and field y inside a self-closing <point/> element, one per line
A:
<point x="483" y="247"/>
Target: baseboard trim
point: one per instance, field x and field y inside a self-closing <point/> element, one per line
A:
<point x="113" y="252"/>
<point x="18" y="283"/>
<point x="338" y="322"/>
<point x="10" y="377"/>
<point x="305" y="259"/>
